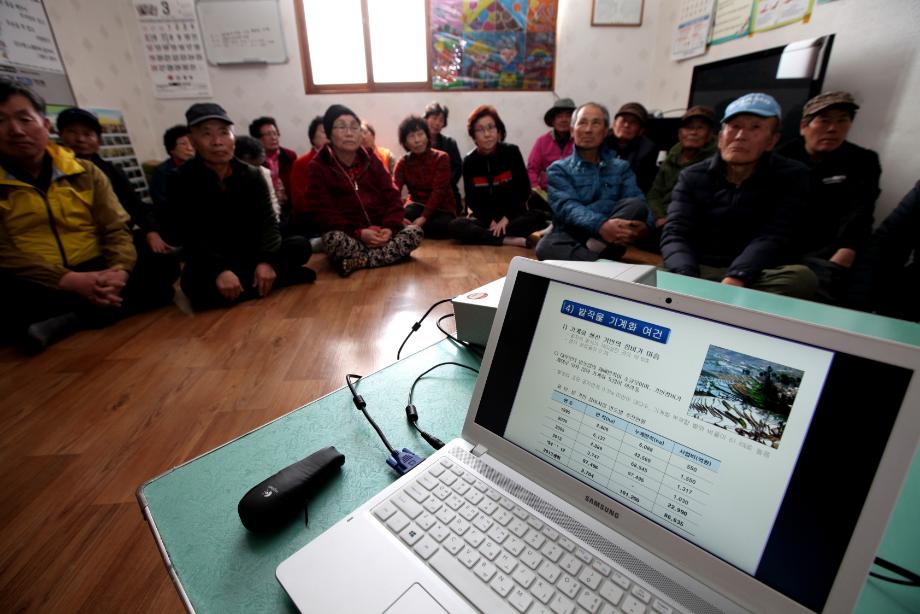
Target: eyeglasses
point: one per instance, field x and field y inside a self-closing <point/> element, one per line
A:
<point x="485" y="129"/>
<point x="347" y="127"/>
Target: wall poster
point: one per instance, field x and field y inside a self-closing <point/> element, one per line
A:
<point x="493" y="44"/>
<point x="29" y="53"/>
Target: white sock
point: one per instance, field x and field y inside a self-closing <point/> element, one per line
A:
<point x="595" y="245"/>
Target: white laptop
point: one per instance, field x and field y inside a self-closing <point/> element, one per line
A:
<point x="628" y="449"/>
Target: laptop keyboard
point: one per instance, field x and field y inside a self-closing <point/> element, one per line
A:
<point x="501" y="557"/>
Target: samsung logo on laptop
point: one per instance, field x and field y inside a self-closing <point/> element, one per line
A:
<point x="601" y="506"/>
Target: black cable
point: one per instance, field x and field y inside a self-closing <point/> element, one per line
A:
<point x="910" y="578"/>
<point x="359" y="402"/>
<point x="412" y="412"/>
<point x="418" y="325"/>
<point x="473" y="347"/>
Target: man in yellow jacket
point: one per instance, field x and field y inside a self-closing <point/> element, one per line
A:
<point x="66" y="253"/>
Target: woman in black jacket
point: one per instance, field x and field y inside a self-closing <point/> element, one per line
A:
<point x="497" y="187"/>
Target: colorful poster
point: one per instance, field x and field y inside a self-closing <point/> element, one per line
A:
<point x="493" y="44"/>
<point x="733" y="20"/>
<point x="769" y="14"/>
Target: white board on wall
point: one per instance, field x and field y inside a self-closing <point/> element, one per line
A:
<point x="242" y="31"/>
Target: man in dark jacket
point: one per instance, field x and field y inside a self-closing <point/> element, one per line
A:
<point x="224" y="215"/>
<point x="844" y="186"/>
<point x="157" y="261"/>
<point x="628" y="139"/>
<point x="732" y="217"/>
<point x="886" y="278"/>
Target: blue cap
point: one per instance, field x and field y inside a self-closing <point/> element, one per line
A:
<point x="756" y="103"/>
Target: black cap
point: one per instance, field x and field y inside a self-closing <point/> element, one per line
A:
<point x="333" y="113"/>
<point x="203" y="111"/>
<point x="76" y="115"/>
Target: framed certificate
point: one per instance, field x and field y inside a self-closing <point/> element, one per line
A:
<point x="616" y="12"/>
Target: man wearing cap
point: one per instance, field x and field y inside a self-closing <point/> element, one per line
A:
<point x="627" y="138"/>
<point x="695" y="142"/>
<point x="66" y="253"/>
<point x="598" y="211"/>
<point x="844" y="182"/>
<point x="157" y="262"/>
<point x="553" y="145"/>
<point x="222" y="211"/>
<point x="733" y="217"/>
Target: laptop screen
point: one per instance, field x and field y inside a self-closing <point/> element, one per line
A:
<point x="758" y="449"/>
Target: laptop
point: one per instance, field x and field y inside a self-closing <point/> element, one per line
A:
<point x="631" y="449"/>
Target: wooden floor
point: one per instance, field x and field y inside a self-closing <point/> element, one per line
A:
<point x="85" y="423"/>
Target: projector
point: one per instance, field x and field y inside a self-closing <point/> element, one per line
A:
<point x="475" y="310"/>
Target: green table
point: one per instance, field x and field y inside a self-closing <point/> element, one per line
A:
<point x="218" y="566"/>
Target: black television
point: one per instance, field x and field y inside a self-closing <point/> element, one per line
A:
<point x="792" y="74"/>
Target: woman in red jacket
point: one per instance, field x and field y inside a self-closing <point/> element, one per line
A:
<point x="356" y="207"/>
<point x="426" y="173"/>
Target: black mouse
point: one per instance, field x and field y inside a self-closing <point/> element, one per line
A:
<point x="273" y="503"/>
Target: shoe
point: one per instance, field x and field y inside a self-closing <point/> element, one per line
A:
<point x="347" y="266"/>
<point x="301" y="275"/>
<point x="42" y="334"/>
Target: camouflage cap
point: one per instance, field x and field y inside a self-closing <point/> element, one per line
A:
<point x="702" y="112"/>
<point x="829" y="99"/>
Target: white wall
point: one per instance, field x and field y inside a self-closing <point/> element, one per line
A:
<point x="100" y="45"/>
<point x="874" y="56"/>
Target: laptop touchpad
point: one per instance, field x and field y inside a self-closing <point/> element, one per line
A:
<point x="416" y="600"/>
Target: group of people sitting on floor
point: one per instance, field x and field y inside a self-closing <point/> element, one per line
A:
<point x="236" y="217"/>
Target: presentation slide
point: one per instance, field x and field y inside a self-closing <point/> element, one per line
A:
<point x="695" y="424"/>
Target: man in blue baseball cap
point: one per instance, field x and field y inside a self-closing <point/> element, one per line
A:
<point x="733" y="217"/>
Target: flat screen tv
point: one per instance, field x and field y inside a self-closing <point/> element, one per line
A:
<point x="792" y="74"/>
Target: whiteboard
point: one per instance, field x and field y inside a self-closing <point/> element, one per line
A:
<point x="241" y="31"/>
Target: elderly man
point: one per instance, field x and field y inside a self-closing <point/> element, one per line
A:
<point x="234" y="249"/>
<point x="66" y="253"/>
<point x="844" y="187"/>
<point x="628" y="139"/>
<point x="597" y="208"/>
<point x="733" y="217"/>
<point x="157" y="260"/>
<point x="695" y="142"/>
<point x="179" y="148"/>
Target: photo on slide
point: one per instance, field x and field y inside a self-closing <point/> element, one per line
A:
<point x="745" y="394"/>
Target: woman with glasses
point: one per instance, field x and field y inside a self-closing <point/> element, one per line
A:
<point x="356" y="207"/>
<point x="426" y="173"/>
<point x="497" y="187"/>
